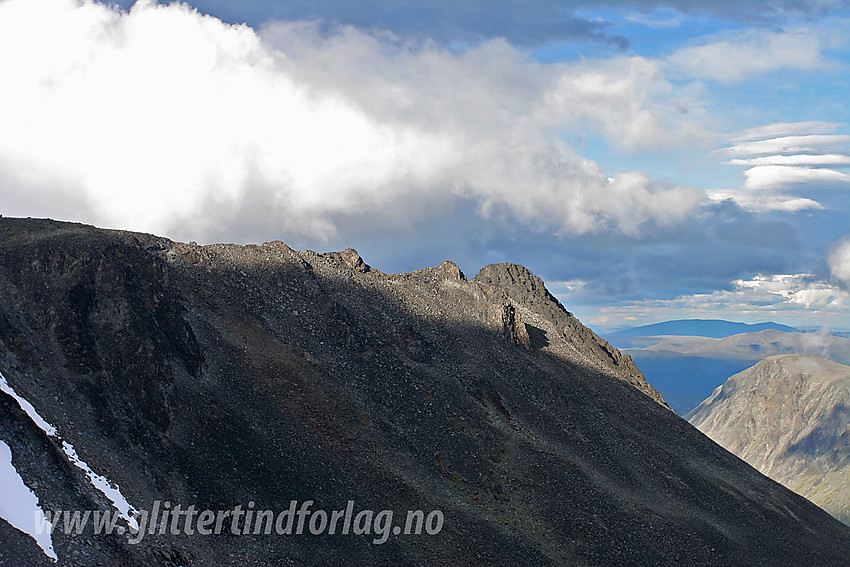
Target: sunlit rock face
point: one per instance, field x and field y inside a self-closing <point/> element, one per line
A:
<point x="789" y="417"/>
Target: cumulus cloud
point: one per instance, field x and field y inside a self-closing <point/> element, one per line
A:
<point x="628" y="100"/>
<point x="796" y="289"/>
<point x="165" y="120"/>
<point x="742" y="55"/>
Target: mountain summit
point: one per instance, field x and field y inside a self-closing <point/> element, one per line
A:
<point x="262" y="377"/>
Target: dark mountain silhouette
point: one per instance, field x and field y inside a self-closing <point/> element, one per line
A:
<point x="220" y="375"/>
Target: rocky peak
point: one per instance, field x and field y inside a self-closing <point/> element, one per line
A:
<point x="350" y="258"/>
<point x="452" y="271"/>
<point x="521" y="284"/>
<point x="530" y="293"/>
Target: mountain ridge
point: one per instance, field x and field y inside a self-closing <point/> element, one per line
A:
<point x="214" y="375"/>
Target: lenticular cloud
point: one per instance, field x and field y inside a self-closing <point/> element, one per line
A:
<point x="165" y="120"/>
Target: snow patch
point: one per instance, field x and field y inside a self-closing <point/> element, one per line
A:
<point x="101" y="483"/>
<point x="104" y="485"/>
<point x="19" y="505"/>
<point x="28" y="408"/>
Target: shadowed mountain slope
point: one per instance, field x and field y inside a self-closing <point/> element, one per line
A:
<point x="218" y="375"/>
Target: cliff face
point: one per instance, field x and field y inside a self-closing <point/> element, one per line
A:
<point x="217" y="375"/>
<point x="789" y="417"/>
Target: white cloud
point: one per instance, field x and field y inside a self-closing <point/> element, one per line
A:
<point x="801" y="159"/>
<point x="168" y="121"/>
<point x="790" y="145"/>
<point x="839" y="262"/>
<point x="780" y="129"/>
<point x="660" y="19"/>
<point x="777" y="176"/>
<point x="742" y="55"/>
<point x="795" y="289"/>
<point x="764" y="201"/>
<point x="628" y="100"/>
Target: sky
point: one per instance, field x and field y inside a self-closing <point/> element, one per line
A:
<point x="650" y="161"/>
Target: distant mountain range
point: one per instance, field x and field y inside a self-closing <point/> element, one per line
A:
<point x="788" y="417"/>
<point x="754" y="346"/>
<point x="686" y="360"/>
<point x="714" y="328"/>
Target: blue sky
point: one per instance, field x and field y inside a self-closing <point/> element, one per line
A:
<point x="650" y="161"/>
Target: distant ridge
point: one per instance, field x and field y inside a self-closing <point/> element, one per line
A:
<point x="714" y="328"/>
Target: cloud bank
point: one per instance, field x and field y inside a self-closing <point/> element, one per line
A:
<point x="810" y="299"/>
<point x="164" y="120"/>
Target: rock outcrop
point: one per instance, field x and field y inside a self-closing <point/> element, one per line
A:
<point x="545" y="316"/>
